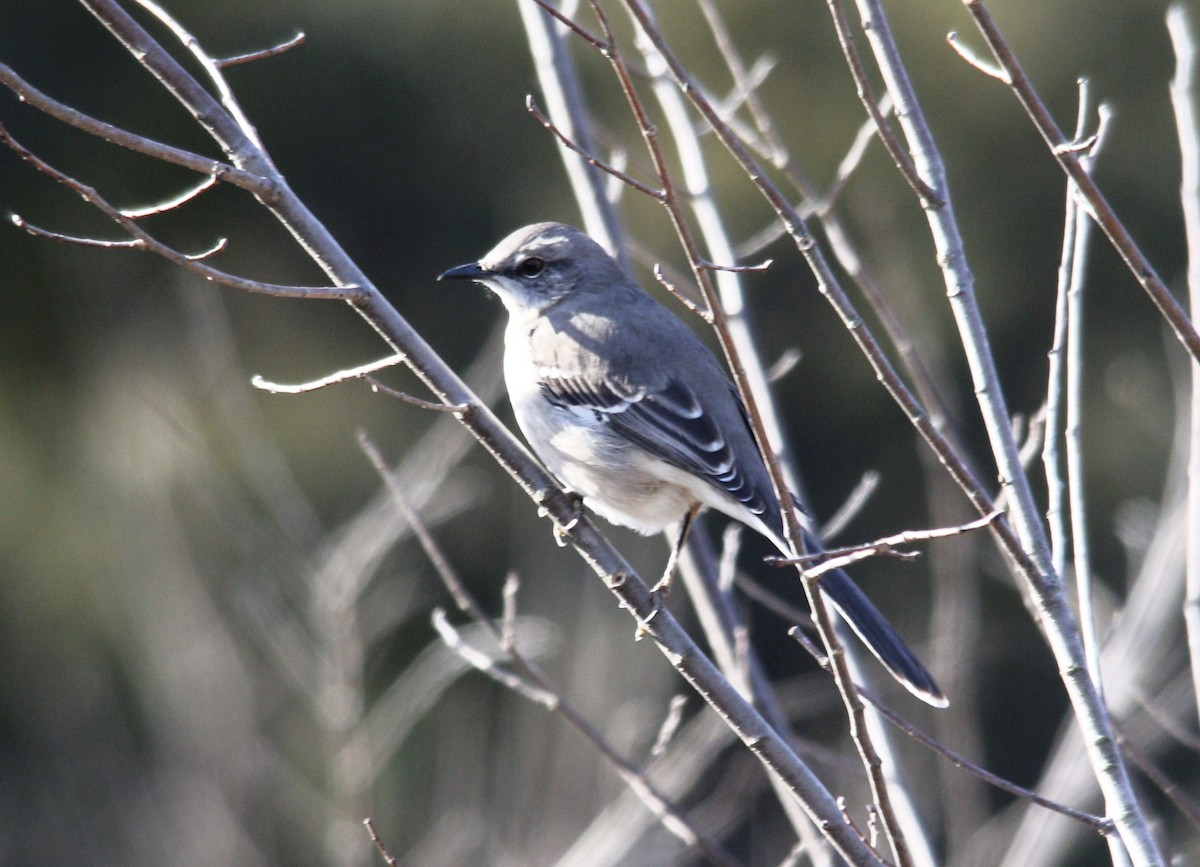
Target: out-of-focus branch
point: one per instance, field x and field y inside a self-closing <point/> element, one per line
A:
<point x="1187" y="123"/>
<point x="527" y="678"/>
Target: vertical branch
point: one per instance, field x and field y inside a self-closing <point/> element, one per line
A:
<point x="1057" y="621"/>
<point x="1187" y="122"/>
<point x="1056" y="509"/>
<point x="1073" y="435"/>
<point x="567" y="109"/>
<point x="960" y="283"/>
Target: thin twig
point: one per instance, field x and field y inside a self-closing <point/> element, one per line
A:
<point x="380" y="388"/>
<point x="211" y="66"/>
<point x="1143" y="271"/>
<point x="71" y="116"/>
<point x="326" y="381"/>
<point x="574" y="26"/>
<point x="975" y="60"/>
<point x="387" y="857"/>
<point x="142" y="240"/>
<point x="837" y="558"/>
<point x="1099" y="824"/>
<point x="738" y="269"/>
<point x="846" y="38"/>
<point x="678" y="294"/>
<point x="627" y="179"/>
<point x="171" y="203"/>
<point x="76" y="240"/>
<point x="261" y="54"/>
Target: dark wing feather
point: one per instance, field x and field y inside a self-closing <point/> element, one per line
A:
<point x="671" y="423"/>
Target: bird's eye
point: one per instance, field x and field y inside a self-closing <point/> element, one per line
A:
<point x="531" y="267"/>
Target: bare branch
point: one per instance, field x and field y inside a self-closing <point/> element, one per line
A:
<point x="332" y="379"/>
<point x="220" y="171"/>
<point x="974" y="59"/>
<point x="838" y="558"/>
<point x="210" y="66"/>
<point x="687" y="302"/>
<point x="1098" y="824"/>
<point x="144" y="241"/>
<point x="172" y="203"/>
<point x="712" y="266"/>
<point x="218" y="245"/>
<point x="578" y="29"/>
<point x="78" y="240"/>
<point x="928" y="196"/>
<point x="1143" y="271"/>
<point x="627" y="179"/>
<point x="387" y="857"/>
<point x="273" y="51"/>
<point x="458" y="409"/>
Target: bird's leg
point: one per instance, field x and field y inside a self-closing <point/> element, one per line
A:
<point x="663" y="587"/>
<point x="561" y="530"/>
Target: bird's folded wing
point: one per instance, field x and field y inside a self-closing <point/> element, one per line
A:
<point x="671" y="424"/>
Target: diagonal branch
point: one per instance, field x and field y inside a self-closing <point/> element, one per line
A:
<point x="31" y="95"/>
<point x="143" y="240"/>
<point x="1072" y="164"/>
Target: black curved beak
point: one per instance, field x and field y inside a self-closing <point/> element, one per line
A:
<point x="470" y="271"/>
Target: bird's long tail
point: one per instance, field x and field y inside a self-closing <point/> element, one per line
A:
<point x="877" y="634"/>
<point x="880" y="638"/>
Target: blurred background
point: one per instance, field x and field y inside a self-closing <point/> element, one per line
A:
<point x="215" y="637"/>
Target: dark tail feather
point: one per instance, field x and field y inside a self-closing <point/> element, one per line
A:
<point x="880" y="638"/>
